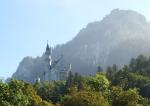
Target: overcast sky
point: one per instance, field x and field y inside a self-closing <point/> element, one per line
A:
<point x="26" y="25"/>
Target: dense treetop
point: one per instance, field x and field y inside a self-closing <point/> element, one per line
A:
<point x="128" y="86"/>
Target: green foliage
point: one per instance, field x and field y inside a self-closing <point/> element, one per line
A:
<point x="84" y="98"/>
<point x="145" y="102"/>
<point x="45" y="103"/>
<point x="110" y="72"/>
<point x="128" y="86"/>
<point x="70" y="80"/>
<point x="19" y="93"/>
<point x="51" y="91"/>
<point x="120" y="97"/>
<point x="139" y="64"/>
<point x="4" y="94"/>
<point x="127" y="79"/>
<point x="23" y="94"/>
<point x="98" y="82"/>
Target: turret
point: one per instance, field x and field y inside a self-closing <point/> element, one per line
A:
<point x="70" y="67"/>
<point x="48" y="54"/>
<point x="48" y="50"/>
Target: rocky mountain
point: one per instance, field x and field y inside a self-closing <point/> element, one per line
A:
<point x="30" y="68"/>
<point x="118" y="37"/>
<point x="121" y="35"/>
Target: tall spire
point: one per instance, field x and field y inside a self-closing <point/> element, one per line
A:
<point x="48" y="49"/>
<point x="48" y="55"/>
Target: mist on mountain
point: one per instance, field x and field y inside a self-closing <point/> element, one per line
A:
<point x="118" y="37"/>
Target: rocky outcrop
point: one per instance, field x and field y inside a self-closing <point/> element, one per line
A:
<point x="120" y="36"/>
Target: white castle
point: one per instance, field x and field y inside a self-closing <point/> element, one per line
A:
<point x="56" y="69"/>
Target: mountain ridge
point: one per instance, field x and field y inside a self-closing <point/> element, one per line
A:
<point x="97" y="43"/>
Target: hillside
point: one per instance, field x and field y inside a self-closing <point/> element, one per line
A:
<point x="118" y="37"/>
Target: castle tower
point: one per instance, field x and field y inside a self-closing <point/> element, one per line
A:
<point x="48" y="50"/>
<point x="48" y="54"/>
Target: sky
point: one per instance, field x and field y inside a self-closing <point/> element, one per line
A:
<point x="26" y="25"/>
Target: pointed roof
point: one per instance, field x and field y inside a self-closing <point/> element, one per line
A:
<point x="48" y="49"/>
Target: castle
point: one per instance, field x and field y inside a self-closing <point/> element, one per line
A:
<point x="56" y="69"/>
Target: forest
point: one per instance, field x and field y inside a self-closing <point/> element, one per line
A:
<point x="126" y="86"/>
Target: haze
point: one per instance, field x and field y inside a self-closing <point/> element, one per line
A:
<point x="26" y="25"/>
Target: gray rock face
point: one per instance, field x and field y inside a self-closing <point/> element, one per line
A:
<point x="42" y="68"/>
<point x="120" y="36"/>
<point x="30" y="69"/>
